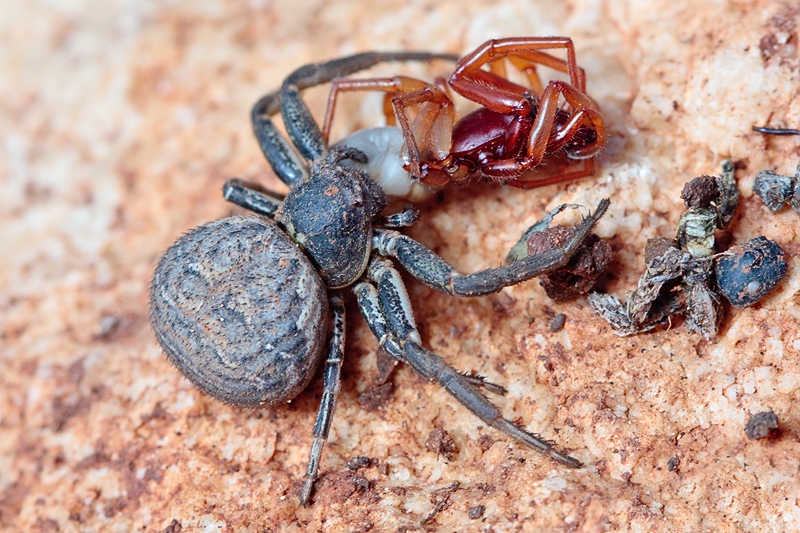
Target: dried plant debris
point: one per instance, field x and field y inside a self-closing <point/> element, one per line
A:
<point x="776" y="190"/>
<point x="684" y="275"/>
<point x="579" y="275"/>
<point x="761" y="425"/>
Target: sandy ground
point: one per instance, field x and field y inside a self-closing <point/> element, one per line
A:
<point x="120" y="122"/>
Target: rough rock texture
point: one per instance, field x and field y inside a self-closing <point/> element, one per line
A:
<point x="120" y="122"/>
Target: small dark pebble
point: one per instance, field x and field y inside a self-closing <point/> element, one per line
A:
<point x="108" y="325"/>
<point x="442" y="443"/>
<point x="673" y="463"/>
<point x="174" y="527"/>
<point x="761" y="425"/>
<point x="558" y="322"/>
<point x="359" y="462"/>
<point x="749" y="271"/>
<point x="476" y="512"/>
<point x="361" y="483"/>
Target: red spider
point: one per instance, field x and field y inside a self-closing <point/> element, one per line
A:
<point x="516" y="130"/>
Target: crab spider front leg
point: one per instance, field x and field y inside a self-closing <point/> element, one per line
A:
<point x="432" y="270"/>
<point x="387" y="310"/>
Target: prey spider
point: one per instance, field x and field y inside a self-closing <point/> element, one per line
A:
<point x="521" y="136"/>
<point x="246" y="306"/>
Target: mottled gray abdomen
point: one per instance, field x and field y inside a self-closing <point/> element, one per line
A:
<point x="241" y="311"/>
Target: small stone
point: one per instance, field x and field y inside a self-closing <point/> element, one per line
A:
<point x="442" y="443"/>
<point x="673" y="463"/>
<point x="558" y="322"/>
<point x="761" y="425"/>
<point x="476" y="512"/>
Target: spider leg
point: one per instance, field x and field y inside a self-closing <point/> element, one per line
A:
<point x="432" y="270"/>
<point x="547" y="138"/>
<point x="279" y="153"/>
<point x="300" y="124"/>
<point x="427" y="138"/>
<point x="468" y="77"/>
<point x="251" y="196"/>
<point x="391" y="86"/>
<point x="330" y="390"/>
<point x="387" y="310"/>
<point x="585" y="113"/>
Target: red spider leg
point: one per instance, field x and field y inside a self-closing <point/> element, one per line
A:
<point x="529" y="69"/>
<point x="388" y="106"/>
<point x="434" y="125"/>
<point x="392" y="86"/>
<point x="585" y="110"/>
<point x="498" y="68"/>
<point x="465" y="79"/>
<point x="586" y="113"/>
<point x="540" y="134"/>
<point x="587" y="170"/>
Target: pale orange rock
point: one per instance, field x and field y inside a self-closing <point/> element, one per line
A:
<point x="121" y="122"/>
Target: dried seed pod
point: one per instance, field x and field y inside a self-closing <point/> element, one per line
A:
<point x="240" y="311"/>
<point x="699" y="192"/>
<point x="579" y="275"/>
<point x="701" y="298"/>
<point x="748" y="271"/>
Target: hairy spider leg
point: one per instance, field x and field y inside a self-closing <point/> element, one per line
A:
<point x="432" y="270"/>
<point x="384" y="303"/>
<point x="280" y="155"/>
<point x="331" y="379"/>
<point x="300" y="125"/>
<point x="514" y="49"/>
<point x="392" y="86"/>
<point x="427" y="137"/>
